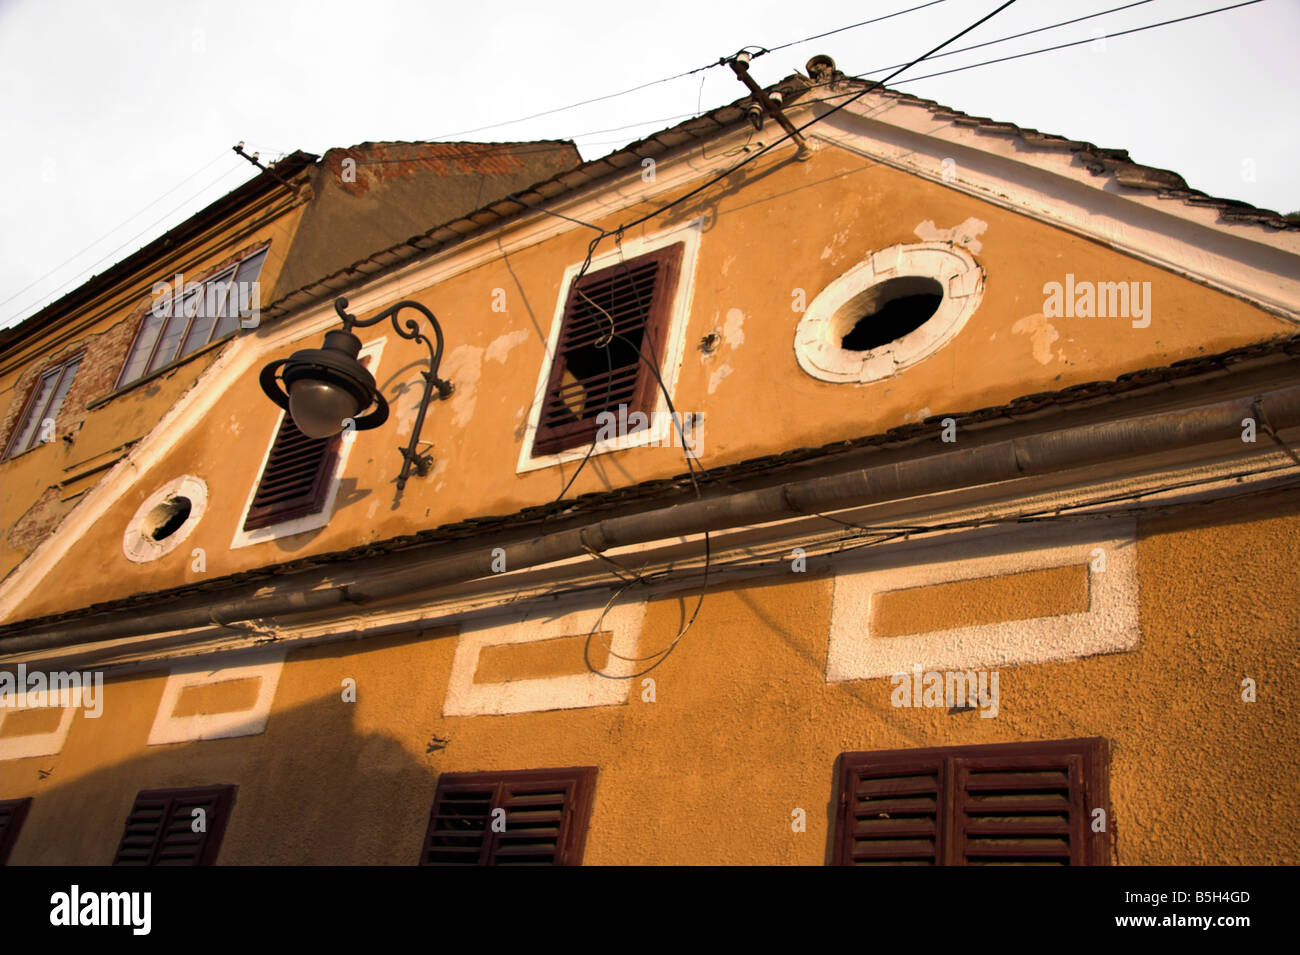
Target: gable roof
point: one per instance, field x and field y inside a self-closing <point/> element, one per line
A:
<point x="797" y="90"/>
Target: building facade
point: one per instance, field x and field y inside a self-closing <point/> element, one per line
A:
<point x="923" y="495"/>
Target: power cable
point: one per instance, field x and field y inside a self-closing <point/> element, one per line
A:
<point x="1017" y="36"/>
<point x="851" y="26"/>
<point x="668" y="79"/>
<point x="116" y="228"/>
<point x="816" y="119"/>
<point x="79" y="277"/>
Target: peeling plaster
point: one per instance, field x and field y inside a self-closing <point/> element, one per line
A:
<point x="919" y="415"/>
<point x="964" y="234"/>
<point x="462" y="368"/>
<point x="715" y="379"/>
<point x="1041" y="333"/>
<point x="731" y="331"/>
<point x="504" y="344"/>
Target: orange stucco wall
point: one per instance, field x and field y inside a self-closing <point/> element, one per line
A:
<point x="814" y="221"/>
<point x="743" y="730"/>
<point x="33" y="495"/>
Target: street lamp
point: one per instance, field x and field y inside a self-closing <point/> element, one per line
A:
<point x="325" y="389"/>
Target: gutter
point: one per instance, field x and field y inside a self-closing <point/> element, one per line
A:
<point x="997" y="461"/>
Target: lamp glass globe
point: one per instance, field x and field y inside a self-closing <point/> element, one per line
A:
<point x="320" y="408"/>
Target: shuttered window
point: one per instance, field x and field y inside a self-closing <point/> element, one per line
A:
<point x="296" y="478"/>
<point x="544" y="822"/>
<point x="161" y="827"/>
<point x="12" y="814"/>
<point x="1008" y="804"/>
<point x="634" y="299"/>
<point x="43" y="405"/>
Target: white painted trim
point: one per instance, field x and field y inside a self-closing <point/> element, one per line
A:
<point x="35" y="744"/>
<point x="1254" y="263"/>
<point x="309" y="522"/>
<point x="467" y="698"/>
<point x="180" y="729"/>
<point x="658" y="432"/>
<point x="1109" y="625"/>
<point x="137" y="540"/>
<point x="817" y="339"/>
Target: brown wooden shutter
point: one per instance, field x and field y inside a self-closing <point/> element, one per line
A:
<point x="1014" y="803"/>
<point x="586" y="379"/>
<point x="296" y="478"/>
<point x="12" y="814"/>
<point x="160" y="828"/>
<point x="891" y="809"/>
<point x="546" y="817"/>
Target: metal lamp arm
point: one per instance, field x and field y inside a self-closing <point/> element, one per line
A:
<point x="411" y="332"/>
<point x="412" y="458"/>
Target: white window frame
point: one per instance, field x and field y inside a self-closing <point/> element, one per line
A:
<point x="674" y="347"/>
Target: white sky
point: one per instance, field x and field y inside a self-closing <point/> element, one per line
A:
<point x="117" y="118"/>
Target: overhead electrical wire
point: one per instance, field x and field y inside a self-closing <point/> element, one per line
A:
<point x="661" y="655"/>
<point x="1063" y="46"/>
<point x="80" y="276"/>
<point x="851" y="26"/>
<point x="668" y="79"/>
<point x="117" y="228"/>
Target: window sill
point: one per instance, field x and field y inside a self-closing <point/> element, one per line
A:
<point x="158" y="373"/>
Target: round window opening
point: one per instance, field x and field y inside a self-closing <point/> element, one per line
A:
<point x="167" y="518"/>
<point x="888" y="311"/>
<point x="893" y="309"/>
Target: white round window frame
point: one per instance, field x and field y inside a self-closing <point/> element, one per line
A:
<point x="818" y="336"/>
<point x="138" y="544"/>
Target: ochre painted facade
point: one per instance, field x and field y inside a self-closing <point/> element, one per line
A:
<point x="1182" y="659"/>
<point x="493" y="359"/>
<point x="743" y="730"/>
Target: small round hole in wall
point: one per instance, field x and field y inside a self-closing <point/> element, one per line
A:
<point x="167" y="517"/>
<point x="893" y="309"/>
<point x="890" y="310"/>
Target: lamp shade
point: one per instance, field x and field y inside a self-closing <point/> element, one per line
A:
<point x="326" y="387"/>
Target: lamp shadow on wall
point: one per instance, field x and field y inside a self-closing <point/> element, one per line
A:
<point x="312" y="790"/>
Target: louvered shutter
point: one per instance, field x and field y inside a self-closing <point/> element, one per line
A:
<point x="1016" y="803"/>
<point x="891" y="809"/>
<point x="634" y="298"/>
<point x="1020" y="809"/>
<point x="296" y="478"/>
<point x="12" y="814"/>
<point x="160" y="827"/>
<point x="546" y="816"/>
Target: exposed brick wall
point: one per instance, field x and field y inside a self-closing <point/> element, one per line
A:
<point x="39" y="521"/>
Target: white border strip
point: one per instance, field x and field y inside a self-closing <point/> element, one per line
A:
<point x="467" y="698"/>
<point x="1109" y="625"/>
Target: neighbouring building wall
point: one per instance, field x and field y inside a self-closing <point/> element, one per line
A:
<point x="743" y="728"/>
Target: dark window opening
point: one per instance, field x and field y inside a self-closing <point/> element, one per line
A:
<point x="168" y="516"/>
<point x="890" y="310"/>
<point x="612" y="330"/>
